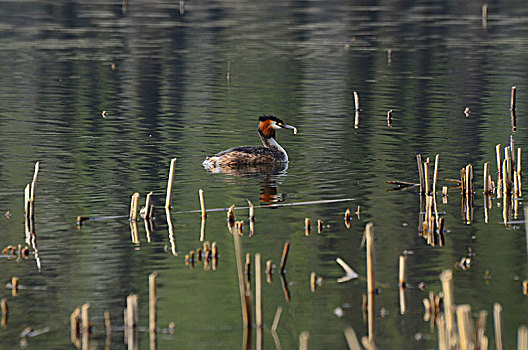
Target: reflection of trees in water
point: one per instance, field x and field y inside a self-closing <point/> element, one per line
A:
<point x="270" y="176"/>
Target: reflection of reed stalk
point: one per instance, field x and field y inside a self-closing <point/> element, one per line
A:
<point x="369" y="234"/>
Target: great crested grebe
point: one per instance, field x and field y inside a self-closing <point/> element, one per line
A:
<point x="272" y="152"/>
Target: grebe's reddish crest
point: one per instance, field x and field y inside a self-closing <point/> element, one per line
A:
<point x="245" y="155"/>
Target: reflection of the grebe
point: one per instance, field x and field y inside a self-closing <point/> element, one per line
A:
<point x="269" y="174"/>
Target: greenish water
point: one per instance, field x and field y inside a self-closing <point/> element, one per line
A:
<point x="168" y="97"/>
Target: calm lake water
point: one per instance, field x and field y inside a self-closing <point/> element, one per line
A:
<point x="159" y="71"/>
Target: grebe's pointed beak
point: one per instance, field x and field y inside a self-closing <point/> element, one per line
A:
<point x="286" y="126"/>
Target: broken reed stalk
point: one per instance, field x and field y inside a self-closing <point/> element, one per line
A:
<point x="284" y="257"/>
<point x="446" y="277"/>
<point x="313" y="281"/>
<point x="522" y="338"/>
<point x="403" y="270"/>
<point x="465" y="327"/>
<point x="481" y="339"/>
<point x="132" y="312"/>
<point x="435" y="174"/>
<point x="519" y="169"/>
<point x="248" y="272"/>
<point x="303" y="340"/>
<point x="427" y="170"/>
<point x="251" y="211"/>
<point x="85" y="318"/>
<point x="307" y="226"/>
<point x="497" y="322"/>
<point x="389" y="118"/>
<point x="469" y="180"/>
<point x="108" y="325"/>
<point x="202" y="203"/>
<point x="499" y="169"/>
<point x="244" y="297"/>
<point x="484" y="16"/>
<point x="356" y="120"/>
<point x="320" y="226"/>
<point x="487" y="182"/>
<point x="369" y="235"/>
<point x="14" y="286"/>
<point x="75" y="325"/>
<point x="258" y="290"/>
<point x="153" y="299"/>
<point x="420" y="173"/>
<point x="513" y="98"/>
<point x="231" y="215"/>
<point x="168" y="198"/>
<point x="149" y="208"/>
<point x="351" y="338"/>
<point x="356" y="101"/>
<point x="134" y="207"/>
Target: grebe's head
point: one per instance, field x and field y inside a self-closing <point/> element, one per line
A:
<point x="269" y="123"/>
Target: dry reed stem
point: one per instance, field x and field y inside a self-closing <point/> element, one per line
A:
<point x="497" y="322"/>
<point x="202" y="202"/>
<point x="522" y="338"/>
<point x="487" y="185"/>
<point x="231" y="215"/>
<point x="435" y="175"/>
<point x="258" y="290"/>
<point x="519" y="169"/>
<point x="108" y="324"/>
<point x="320" y="226"/>
<point x="389" y="118"/>
<point x="481" y="339"/>
<point x="484" y="16"/>
<point x="465" y="327"/>
<point x="75" y="324"/>
<point x="132" y="311"/>
<point x="153" y="300"/>
<point x="284" y="257"/>
<point x="420" y="173"/>
<point x="244" y="297"/>
<point x="134" y="207"/>
<point x="168" y="197"/>
<point x="307" y="226"/>
<point x="85" y="318"/>
<point x="513" y="97"/>
<point x="403" y="270"/>
<point x="303" y="340"/>
<point x="351" y="338"/>
<point x="446" y="278"/>
<point x="356" y="101"/>
<point x="427" y="170"/>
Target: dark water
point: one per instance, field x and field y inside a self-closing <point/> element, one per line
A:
<point x="168" y="96"/>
